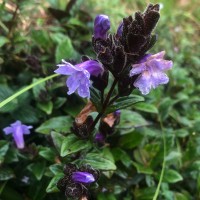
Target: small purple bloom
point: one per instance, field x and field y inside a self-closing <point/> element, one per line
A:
<point x="83" y="177"/>
<point x="101" y="26"/>
<point x="120" y="29"/>
<point x="18" y="130"/>
<point x="100" y="138"/>
<point x="79" y="75"/>
<point x="151" y="69"/>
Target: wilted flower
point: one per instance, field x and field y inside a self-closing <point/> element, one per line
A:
<point x="79" y="75"/>
<point x="101" y="26"/>
<point x="18" y="130"/>
<point x="151" y="72"/>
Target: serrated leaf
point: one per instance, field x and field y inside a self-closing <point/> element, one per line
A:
<point x="98" y="161"/>
<point x="172" y="176"/>
<point x="124" y="102"/>
<point x="72" y="144"/>
<point x="59" y="124"/>
<point x="52" y="185"/>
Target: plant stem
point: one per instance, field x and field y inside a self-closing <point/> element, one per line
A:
<point x="105" y="104"/>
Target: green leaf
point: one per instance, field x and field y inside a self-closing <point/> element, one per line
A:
<point x="6" y="174"/>
<point x="56" y="168"/>
<point x="146" y="107"/>
<point x="11" y="155"/>
<point x="59" y="124"/>
<point x="95" y="98"/>
<point x="5" y="92"/>
<point x="124" y="102"/>
<point x="106" y="196"/>
<point x="142" y="169"/>
<point x="4" y="145"/>
<point x="65" y="50"/>
<point x="172" y="176"/>
<point x="52" y="185"/>
<point x="72" y="144"/>
<point x="37" y="169"/>
<point x="26" y="114"/>
<point x="3" y="40"/>
<point x="47" y="153"/>
<point x="131" y="140"/>
<point x="57" y="140"/>
<point x="99" y="161"/>
<point x="47" y="107"/>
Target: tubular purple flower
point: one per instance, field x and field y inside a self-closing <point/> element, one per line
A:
<point x="101" y="26"/>
<point x="83" y="177"/>
<point x="151" y="69"/>
<point x="18" y="130"/>
<point x="79" y="75"/>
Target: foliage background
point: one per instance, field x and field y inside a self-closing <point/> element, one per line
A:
<point x="34" y="37"/>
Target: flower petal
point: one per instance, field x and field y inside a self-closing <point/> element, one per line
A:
<point x="18" y="137"/>
<point x="159" y="78"/>
<point x="67" y="68"/>
<point x="162" y="65"/>
<point x="137" y="69"/>
<point x="83" y="177"/>
<point x="26" y="130"/>
<point x="93" y="67"/>
<point x="83" y="89"/>
<point x="143" y="83"/>
<point x="73" y="83"/>
<point x="8" y="130"/>
<point x="101" y="26"/>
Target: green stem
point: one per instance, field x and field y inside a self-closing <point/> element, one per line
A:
<point x="3" y="103"/>
<point x="163" y="164"/>
<point x="105" y="104"/>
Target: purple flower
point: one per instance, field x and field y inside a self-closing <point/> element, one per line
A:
<point x="18" y="130"/>
<point x="100" y="138"/>
<point x="151" y="72"/>
<point x="101" y="26"/>
<point x="79" y="75"/>
<point x="120" y="29"/>
<point x="83" y="177"/>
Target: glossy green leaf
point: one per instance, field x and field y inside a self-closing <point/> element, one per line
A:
<point x="52" y="185"/>
<point x="99" y="161"/>
<point x="71" y="144"/>
<point x="172" y="176"/>
<point x="146" y="107"/>
<point x="59" y="124"/>
<point x="37" y="169"/>
<point x="124" y="102"/>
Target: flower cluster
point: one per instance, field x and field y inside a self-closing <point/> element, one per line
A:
<point x="76" y="181"/>
<point x="123" y="54"/>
